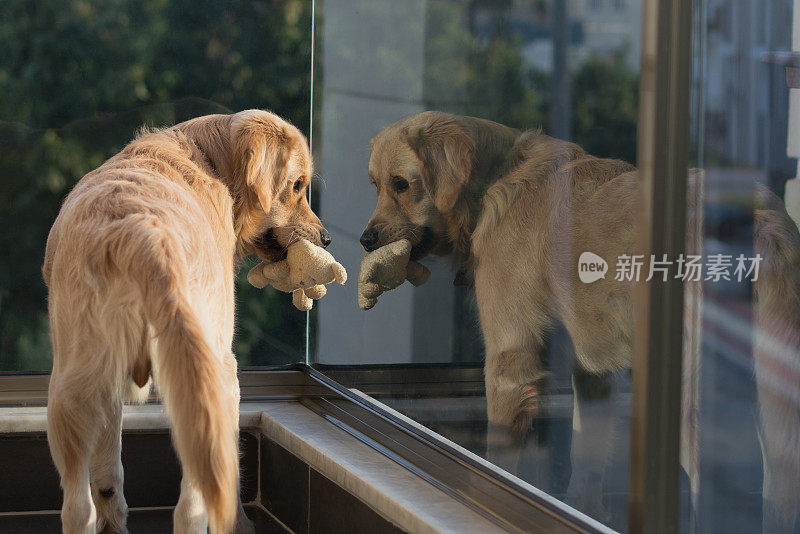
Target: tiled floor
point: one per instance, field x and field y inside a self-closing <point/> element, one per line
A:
<point x="144" y="521"/>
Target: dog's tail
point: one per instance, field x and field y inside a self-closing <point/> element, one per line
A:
<point x="190" y="375"/>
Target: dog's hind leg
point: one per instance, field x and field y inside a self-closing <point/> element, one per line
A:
<point x="107" y="475"/>
<point x="593" y="422"/>
<point x="243" y="525"/>
<point x="600" y="332"/>
<point x="190" y="515"/>
<point x="72" y="429"/>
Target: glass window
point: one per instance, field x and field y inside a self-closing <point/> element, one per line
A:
<point x="78" y="83"/>
<point x="740" y="398"/>
<point x="423" y="110"/>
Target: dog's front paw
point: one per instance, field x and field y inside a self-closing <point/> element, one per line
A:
<point x="528" y="410"/>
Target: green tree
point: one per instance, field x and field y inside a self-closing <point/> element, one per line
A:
<point x="78" y="78"/>
<point x="605" y="98"/>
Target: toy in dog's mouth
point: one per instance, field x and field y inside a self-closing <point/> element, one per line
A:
<point x="425" y="245"/>
<point x="268" y="248"/>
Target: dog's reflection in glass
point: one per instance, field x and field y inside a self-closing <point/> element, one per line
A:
<point x="514" y="210"/>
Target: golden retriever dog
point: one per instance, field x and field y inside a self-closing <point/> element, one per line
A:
<point x="514" y="210"/>
<point x="140" y="270"/>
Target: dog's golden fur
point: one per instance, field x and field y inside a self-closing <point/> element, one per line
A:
<point x="140" y="270"/>
<point x="514" y="210"/>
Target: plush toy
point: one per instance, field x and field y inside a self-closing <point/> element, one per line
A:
<point x="304" y="273"/>
<point x="386" y="268"/>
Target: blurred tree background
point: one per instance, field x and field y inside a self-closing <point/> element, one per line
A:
<point x="482" y="66"/>
<point x="79" y="77"/>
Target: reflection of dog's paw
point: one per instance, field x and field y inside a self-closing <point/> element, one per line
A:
<point x="528" y="409"/>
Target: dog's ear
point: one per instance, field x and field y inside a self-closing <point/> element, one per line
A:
<point x="447" y="152"/>
<point x="262" y="146"/>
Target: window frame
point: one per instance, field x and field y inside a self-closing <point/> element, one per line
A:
<point x="663" y="154"/>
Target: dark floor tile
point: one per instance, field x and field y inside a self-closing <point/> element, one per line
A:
<point x="153" y="473"/>
<point x="147" y="521"/>
<point x="334" y="511"/>
<point x="248" y="447"/>
<point x="27" y="524"/>
<point x="160" y="521"/>
<point x="152" y="470"/>
<point x="284" y="486"/>
<point x="29" y="478"/>
<point x="265" y="523"/>
<point x="139" y="522"/>
<point x="144" y="521"/>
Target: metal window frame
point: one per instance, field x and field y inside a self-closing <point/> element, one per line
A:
<point x="663" y="152"/>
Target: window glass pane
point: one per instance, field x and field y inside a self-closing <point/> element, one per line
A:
<point x="567" y="68"/>
<point x="79" y="80"/>
<point x="741" y="432"/>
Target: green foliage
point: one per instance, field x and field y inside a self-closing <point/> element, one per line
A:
<point x="78" y="78"/>
<point x="481" y="78"/>
<point x="63" y="61"/>
<point x="605" y="100"/>
<point x="502" y="89"/>
<point x="488" y="78"/>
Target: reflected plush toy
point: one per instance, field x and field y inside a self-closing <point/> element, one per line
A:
<point x="386" y="268"/>
<point x="304" y="273"/>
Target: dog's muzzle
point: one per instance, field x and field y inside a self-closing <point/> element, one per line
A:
<point x="369" y="239"/>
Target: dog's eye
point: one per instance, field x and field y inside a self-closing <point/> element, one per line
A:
<point x="298" y="185"/>
<point x="400" y="184"/>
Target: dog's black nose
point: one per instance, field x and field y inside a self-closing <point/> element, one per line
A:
<point x="325" y="237"/>
<point x="369" y="238"/>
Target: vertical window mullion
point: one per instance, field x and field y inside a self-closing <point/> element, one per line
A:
<point x="663" y="147"/>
